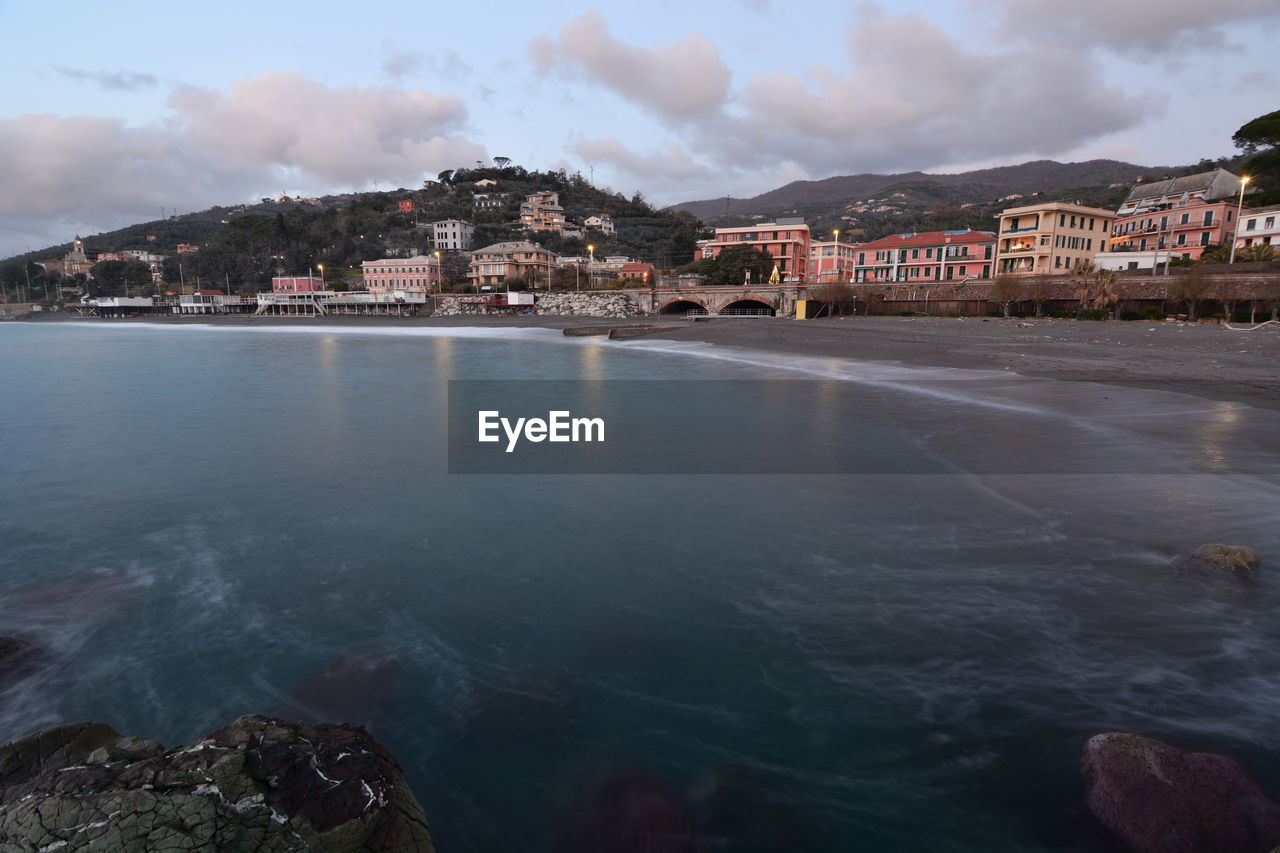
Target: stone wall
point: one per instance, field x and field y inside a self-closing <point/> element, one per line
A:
<point x="457" y="306"/>
<point x="612" y="304"/>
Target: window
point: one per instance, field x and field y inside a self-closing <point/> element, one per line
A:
<point x="962" y="270"/>
<point x="1204" y="238"/>
<point x="915" y="253"/>
<point x="1270" y="222"/>
<point x="1186" y="219"/>
<point x="1208" y="217"/>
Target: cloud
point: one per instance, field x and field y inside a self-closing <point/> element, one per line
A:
<point x="1135" y="27"/>
<point x="403" y="62"/>
<point x="677" y="81"/>
<point x="910" y="95"/>
<point x="120" y="81"/>
<point x="670" y="163"/>
<point x="263" y="134"/>
<point x="348" y="135"/>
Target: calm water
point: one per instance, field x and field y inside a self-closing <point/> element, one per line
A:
<point x="204" y="522"/>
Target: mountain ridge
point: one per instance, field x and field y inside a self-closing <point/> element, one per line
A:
<point x="971" y="187"/>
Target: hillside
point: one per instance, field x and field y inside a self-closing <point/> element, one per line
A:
<point x="244" y="245"/>
<point x="912" y="189"/>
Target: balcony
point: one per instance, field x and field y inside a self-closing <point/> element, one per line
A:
<point x="1017" y="230"/>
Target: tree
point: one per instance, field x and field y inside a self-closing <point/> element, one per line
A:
<point x="117" y="278"/>
<point x="454" y="267"/>
<point x="733" y="265"/>
<point x="1256" y="254"/>
<point x="1038" y="291"/>
<point x="1008" y="289"/>
<point x="1192" y="287"/>
<point x="1218" y="253"/>
<point x="501" y="162"/>
<point x="1105" y="291"/>
<point x="834" y="296"/>
<point x="1083" y="276"/>
<point x="1262" y="132"/>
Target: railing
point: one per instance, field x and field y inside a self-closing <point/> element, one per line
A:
<point x="1016" y="230"/>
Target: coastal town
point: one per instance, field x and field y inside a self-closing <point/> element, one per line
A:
<point x="1189" y="245"/>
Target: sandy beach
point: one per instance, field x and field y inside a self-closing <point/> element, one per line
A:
<point x="1208" y="360"/>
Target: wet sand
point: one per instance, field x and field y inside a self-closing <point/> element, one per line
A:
<point x="1207" y="360"/>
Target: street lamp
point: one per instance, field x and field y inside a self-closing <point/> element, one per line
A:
<point x="1244" y="179"/>
<point x="439" y="272"/>
<point x="591" y="266"/>
<point x="835" y="252"/>
<point x="321" y="268"/>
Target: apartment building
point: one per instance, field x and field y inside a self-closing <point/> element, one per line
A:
<point x="541" y="211"/>
<point x="832" y="261"/>
<point x="601" y="222"/>
<point x="501" y="263"/>
<point x="452" y="235"/>
<point x="786" y="240"/>
<point x="419" y="274"/>
<point x="927" y="256"/>
<point x="1051" y="237"/>
<point x="1260" y="227"/>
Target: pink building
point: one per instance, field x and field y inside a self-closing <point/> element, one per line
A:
<point x="786" y="240"/>
<point x="832" y="262"/>
<point x="296" y="284"/>
<point x="927" y="256"/>
<point x="1182" y="228"/>
<point x="420" y="274"/>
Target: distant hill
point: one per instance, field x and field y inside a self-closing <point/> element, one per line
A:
<point x="244" y="245"/>
<point x="916" y="190"/>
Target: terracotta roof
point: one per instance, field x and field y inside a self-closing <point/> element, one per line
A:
<point x="929" y="238"/>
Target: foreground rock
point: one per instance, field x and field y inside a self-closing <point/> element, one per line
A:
<point x="1216" y="559"/>
<point x="260" y="785"/>
<point x="1159" y="799"/>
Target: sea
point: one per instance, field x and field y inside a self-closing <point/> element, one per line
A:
<point x="202" y="521"/>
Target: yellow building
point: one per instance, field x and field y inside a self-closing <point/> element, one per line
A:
<point x="1052" y="237"/>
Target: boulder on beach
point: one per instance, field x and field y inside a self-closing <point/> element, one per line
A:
<point x="259" y="784"/>
<point x="1158" y="799"/>
<point x="1220" y="559"/>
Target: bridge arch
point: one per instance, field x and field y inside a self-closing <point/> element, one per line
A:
<point x="749" y="306"/>
<point x="682" y="306"/>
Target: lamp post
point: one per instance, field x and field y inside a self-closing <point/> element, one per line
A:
<point x="835" y="253"/>
<point x="1244" y="179"/>
<point x="321" y="268"/>
<point x="591" y="267"/>
<point x="439" y="271"/>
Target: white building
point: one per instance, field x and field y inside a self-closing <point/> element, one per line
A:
<point x="1130" y="261"/>
<point x="452" y="234"/>
<point x="1260" y="227"/>
<point x="601" y="222"/>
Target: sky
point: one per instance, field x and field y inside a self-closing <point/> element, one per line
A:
<point x="111" y="114"/>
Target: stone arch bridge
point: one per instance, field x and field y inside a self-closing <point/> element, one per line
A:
<point x="777" y="300"/>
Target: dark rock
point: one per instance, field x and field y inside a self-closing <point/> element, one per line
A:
<point x="1159" y="799"/>
<point x="632" y="811"/>
<point x="260" y="785"/>
<point x="16" y="656"/>
<point x="1216" y="559"/>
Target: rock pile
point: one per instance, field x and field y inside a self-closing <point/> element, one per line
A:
<point x="259" y="784"/>
<point x="593" y="304"/>
<point x="455" y="306"/>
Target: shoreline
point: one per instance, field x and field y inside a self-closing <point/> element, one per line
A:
<point x="1204" y="360"/>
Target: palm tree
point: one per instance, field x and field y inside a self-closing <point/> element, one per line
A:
<point x="1083" y="275"/>
<point x="1217" y="254"/>
<point x="1105" y="290"/>
<point x="1256" y="254"/>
